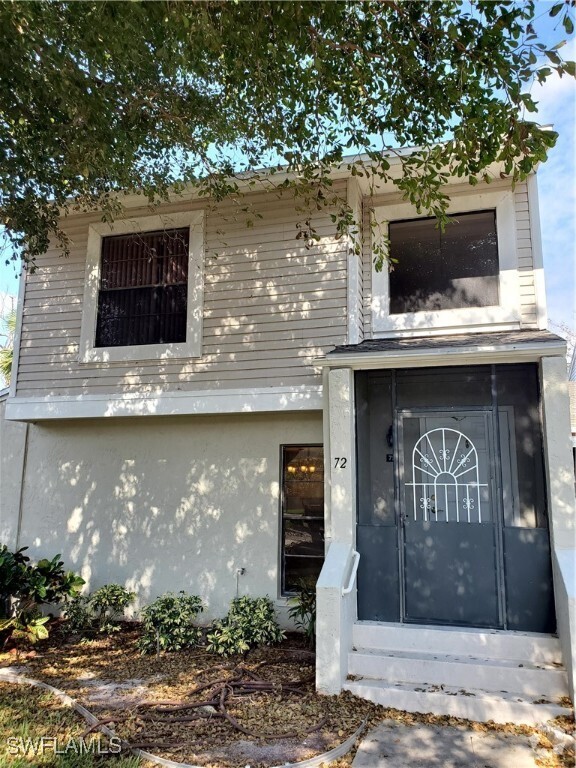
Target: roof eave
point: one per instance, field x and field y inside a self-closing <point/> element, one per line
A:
<point x="441" y="356"/>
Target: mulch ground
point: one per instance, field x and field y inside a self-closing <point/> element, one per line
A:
<point x="192" y="706"/>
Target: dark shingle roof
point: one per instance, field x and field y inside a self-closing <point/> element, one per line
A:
<point x="406" y="344"/>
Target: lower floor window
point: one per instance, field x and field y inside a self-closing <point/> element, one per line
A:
<point x="302" y="511"/>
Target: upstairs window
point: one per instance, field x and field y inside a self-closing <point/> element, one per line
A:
<point x="143" y="295"/>
<point x="462" y="279"/>
<point x="143" y="289"/>
<point x="450" y="269"/>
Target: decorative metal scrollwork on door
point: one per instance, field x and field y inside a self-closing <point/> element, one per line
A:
<point x="446" y="478"/>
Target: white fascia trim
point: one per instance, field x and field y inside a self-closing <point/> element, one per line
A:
<point x="445" y="356"/>
<point x="192" y="347"/>
<point x="208" y="402"/>
<point x="507" y="313"/>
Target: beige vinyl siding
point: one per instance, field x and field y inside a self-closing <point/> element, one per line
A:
<point x="367" y="259"/>
<point x="362" y="315"/>
<point x="527" y="290"/>
<point x="271" y="306"/>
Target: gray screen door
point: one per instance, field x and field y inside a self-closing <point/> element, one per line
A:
<point x="449" y="516"/>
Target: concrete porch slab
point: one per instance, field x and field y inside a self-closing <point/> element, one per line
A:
<point x="394" y="745"/>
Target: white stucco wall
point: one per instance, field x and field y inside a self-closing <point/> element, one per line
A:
<point x="12" y="458"/>
<point x="162" y="504"/>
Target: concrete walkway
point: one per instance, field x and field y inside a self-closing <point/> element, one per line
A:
<point x="394" y="745"/>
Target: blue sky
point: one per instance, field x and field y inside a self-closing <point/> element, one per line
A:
<point x="557" y="191"/>
<point x="556" y="181"/>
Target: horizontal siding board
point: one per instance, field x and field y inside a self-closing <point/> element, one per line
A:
<point x="35" y="307"/>
<point x="282" y="220"/>
<point x="261" y="242"/>
<point x="270" y="271"/>
<point x="287" y="311"/>
<point x="327" y="321"/>
<point x="242" y="363"/>
<point x="227" y="348"/>
<point x="49" y="295"/>
<point x="45" y="276"/>
<point x="230" y="379"/>
<point x="334" y="289"/>
<point x="302" y="291"/>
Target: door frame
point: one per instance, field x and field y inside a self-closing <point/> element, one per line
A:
<point x="495" y="482"/>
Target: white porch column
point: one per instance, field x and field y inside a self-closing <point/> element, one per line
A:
<point x="342" y="456"/>
<point x="561" y="504"/>
<point x="335" y="612"/>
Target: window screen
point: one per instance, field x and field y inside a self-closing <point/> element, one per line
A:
<point x="302" y="515"/>
<point x="444" y="270"/>
<point x="143" y="289"/>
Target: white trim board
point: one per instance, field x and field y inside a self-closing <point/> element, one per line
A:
<point x="208" y="402"/>
<point x="444" y="356"/>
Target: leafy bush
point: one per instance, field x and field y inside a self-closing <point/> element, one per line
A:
<point x="98" y="611"/>
<point x="108" y="602"/>
<point x="250" y="622"/>
<point x="303" y="611"/>
<point x="24" y="587"/>
<point x="168" y="623"/>
<point x="79" y="617"/>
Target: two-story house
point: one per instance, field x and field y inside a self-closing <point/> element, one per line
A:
<point x="227" y="409"/>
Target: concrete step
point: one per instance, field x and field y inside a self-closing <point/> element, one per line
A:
<point x="471" y="704"/>
<point x="525" y="678"/>
<point x="487" y="643"/>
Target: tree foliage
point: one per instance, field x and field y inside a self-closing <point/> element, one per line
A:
<point x="102" y="97"/>
<point x="7" y="332"/>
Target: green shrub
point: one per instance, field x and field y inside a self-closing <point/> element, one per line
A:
<point x="108" y="602"/>
<point x="303" y="611"/>
<point x="168" y="623"/>
<point x="78" y="615"/>
<point x="250" y="622"/>
<point x="25" y="587"/>
<point x="99" y="611"/>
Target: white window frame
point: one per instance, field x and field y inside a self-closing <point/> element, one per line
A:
<point x="505" y="314"/>
<point x="192" y="347"/>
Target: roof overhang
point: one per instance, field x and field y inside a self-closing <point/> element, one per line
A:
<point x="483" y="354"/>
<point x="275" y="176"/>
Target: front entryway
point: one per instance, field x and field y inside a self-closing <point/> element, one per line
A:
<point x="452" y="525"/>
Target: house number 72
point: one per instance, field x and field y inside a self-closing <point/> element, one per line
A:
<point x="339" y="463"/>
